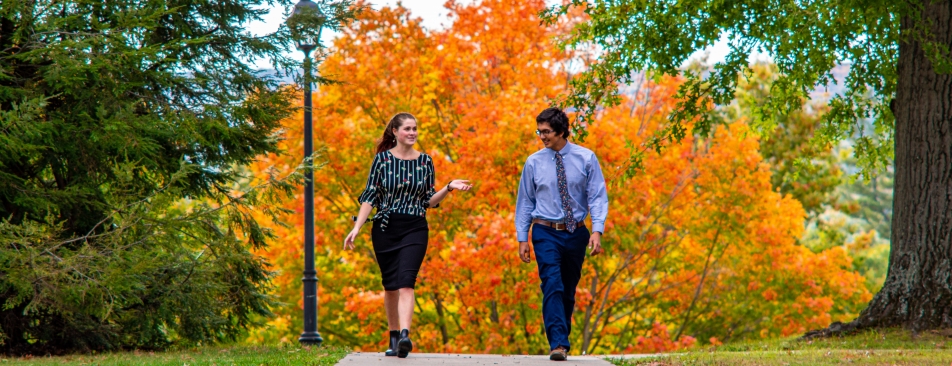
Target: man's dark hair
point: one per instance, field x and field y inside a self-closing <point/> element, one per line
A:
<point x="556" y="119"/>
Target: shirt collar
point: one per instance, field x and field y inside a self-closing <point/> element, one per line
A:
<point x="565" y="149"/>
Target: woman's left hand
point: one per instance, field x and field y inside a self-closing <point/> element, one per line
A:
<point x="460" y="184"/>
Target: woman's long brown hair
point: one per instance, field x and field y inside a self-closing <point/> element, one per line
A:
<point x="389" y="140"/>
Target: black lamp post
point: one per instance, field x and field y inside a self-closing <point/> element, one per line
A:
<point x="306" y="13"/>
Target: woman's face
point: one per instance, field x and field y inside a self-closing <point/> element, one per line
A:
<point x="407" y="133"/>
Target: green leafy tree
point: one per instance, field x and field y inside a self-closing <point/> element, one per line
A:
<point x="900" y="76"/>
<point x="859" y="221"/>
<point x="868" y="200"/>
<point x="789" y="144"/>
<point x="850" y="213"/>
<point x="122" y="223"/>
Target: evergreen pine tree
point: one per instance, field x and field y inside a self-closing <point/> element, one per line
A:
<point x="123" y="124"/>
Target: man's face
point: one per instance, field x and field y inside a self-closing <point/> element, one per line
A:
<point x="548" y="136"/>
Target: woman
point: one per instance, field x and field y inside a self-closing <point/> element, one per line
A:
<point x="401" y="187"/>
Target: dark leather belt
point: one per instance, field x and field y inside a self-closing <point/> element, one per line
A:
<point x="555" y="225"/>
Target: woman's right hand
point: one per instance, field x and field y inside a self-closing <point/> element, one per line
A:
<point x="349" y="240"/>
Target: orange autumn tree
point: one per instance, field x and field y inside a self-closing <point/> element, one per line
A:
<point x="703" y="246"/>
<point x="699" y="246"/>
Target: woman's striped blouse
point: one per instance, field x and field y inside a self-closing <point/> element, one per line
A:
<point x="399" y="186"/>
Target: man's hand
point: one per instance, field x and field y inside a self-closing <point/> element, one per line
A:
<point x="524" y="251"/>
<point x="595" y="243"/>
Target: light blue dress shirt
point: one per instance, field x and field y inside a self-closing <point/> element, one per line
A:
<point x="539" y="198"/>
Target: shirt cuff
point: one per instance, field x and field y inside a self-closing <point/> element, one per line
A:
<point x="599" y="227"/>
<point x="522" y="236"/>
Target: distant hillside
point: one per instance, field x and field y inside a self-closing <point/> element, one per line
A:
<point x="825" y="93"/>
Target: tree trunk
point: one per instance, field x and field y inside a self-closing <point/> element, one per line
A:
<point x="917" y="293"/>
<point x="441" y="319"/>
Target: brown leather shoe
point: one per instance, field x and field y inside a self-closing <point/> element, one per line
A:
<point x="558" y="354"/>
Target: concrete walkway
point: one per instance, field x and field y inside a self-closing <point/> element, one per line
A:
<point x="424" y="359"/>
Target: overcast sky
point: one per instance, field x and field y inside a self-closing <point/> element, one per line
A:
<point x="432" y="12"/>
<point x="434" y="17"/>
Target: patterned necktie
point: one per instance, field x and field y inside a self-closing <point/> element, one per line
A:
<point x="564" y="193"/>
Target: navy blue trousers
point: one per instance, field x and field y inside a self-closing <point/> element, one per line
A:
<point x="559" y="255"/>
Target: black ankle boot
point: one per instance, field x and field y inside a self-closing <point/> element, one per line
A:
<point x="394" y="337"/>
<point x="404" y="345"/>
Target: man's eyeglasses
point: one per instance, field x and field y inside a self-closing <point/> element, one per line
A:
<point x="543" y="132"/>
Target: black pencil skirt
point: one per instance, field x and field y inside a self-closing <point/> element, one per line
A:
<point x="400" y="249"/>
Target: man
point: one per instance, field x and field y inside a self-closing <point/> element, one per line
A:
<point x="560" y="185"/>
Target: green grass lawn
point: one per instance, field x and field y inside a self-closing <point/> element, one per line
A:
<point x="891" y="347"/>
<point x="223" y="355"/>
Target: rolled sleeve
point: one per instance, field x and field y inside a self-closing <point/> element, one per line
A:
<point x="597" y="196"/>
<point x="371" y="191"/>
<point x="525" y="203"/>
<point x="430" y="184"/>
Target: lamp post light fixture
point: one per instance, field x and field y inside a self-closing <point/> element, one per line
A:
<point x="301" y="23"/>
